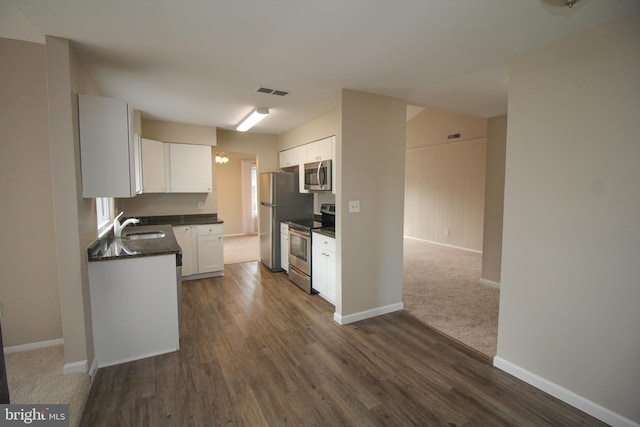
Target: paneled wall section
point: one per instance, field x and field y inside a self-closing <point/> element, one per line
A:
<point x="444" y="193"/>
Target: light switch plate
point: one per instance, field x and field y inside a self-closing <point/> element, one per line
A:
<point x="354" y="206"/>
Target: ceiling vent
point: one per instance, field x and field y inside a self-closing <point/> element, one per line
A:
<point x="453" y="136"/>
<point x="272" y="91"/>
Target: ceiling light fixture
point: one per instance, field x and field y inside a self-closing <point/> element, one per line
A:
<point x="221" y="158"/>
<point x="253" y="118"/>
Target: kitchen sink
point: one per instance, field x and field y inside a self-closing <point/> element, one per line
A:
<point x="144" y="235"/>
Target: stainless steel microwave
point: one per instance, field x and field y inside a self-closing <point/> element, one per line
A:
<point x="317" y="176"/>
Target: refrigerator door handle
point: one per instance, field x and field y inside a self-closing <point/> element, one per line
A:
<point x="267" y="204"/>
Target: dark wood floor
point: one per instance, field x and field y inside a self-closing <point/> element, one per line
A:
<point x="257" y="351"/>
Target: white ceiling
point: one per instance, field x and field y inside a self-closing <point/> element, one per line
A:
<point x="201" y="61"/>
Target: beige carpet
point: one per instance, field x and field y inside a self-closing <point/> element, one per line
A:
<point x="241" y="248"/>
<point x="35" y="377"/>
<point x="441" y="288"/>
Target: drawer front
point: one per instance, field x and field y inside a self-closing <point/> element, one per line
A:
<point x="209" y="229"/>
<point x="324" y="242"/>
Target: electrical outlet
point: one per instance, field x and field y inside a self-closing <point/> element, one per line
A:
<point x="354" y="206"/>
<point x="446" y="231"/>
<point x="200" y="204"/>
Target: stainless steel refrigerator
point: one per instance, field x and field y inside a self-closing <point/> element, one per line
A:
<point x="279" y="201"/>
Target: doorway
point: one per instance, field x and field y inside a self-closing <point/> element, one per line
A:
<point x="238" y="206"/>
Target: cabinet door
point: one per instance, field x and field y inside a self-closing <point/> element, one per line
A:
<point x="153" y="166"/>
<point x="318" y="269"/>
<point x="106" y="147"/>
<point x="184" y="238"/>
<point x="331" y="277"/>
<point x="210" y="248"/>
<point x="190" y="168"/>
<point x="293" y="157"/>
<point x="319" y="150"/>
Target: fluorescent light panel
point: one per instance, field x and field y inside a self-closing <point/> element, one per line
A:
<point x="253" y="118"/>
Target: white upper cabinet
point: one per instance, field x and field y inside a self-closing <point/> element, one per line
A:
<point x="152" y="160"/>
<point x="293" y="157"/>
<point x="319" y="150"/>
<point x="106" y="147"/>
<point x="190" y="168"/>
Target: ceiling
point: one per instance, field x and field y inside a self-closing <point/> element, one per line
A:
<point x="201" y="61"/>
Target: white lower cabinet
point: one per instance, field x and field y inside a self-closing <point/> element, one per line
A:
<point x="210" y="248"/>
<point x="323" y="266"/>
<point x="284" y="246"/>
<point x="202" y="250"/>
<point x="134" y="308"/>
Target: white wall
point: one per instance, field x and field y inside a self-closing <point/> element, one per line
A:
<point x="370" y="161"/>
<point x="570" y="286"/>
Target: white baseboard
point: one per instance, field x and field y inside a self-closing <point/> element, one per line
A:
<point x="379" y="311"/>
<point x="445" y="244"/>
<point x="491" y="283"/>
<point x="33" y="345"/>
<point x="566" y="395"/>
<point x="79" y="367"/>
<point x="93" y="368"/>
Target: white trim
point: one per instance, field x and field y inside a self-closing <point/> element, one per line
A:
<point x="488" y="282"/>
<point x="93" y="368"/>
<point x="362" y="315"/>
<point x="33" y="345"/>
<point x="79" y="367"/>
<point x="444" y="244"/>
<point x="566" y="395"/>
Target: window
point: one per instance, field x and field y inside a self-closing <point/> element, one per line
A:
<point x="104" y="213"/>
<point x="254" y="191"/>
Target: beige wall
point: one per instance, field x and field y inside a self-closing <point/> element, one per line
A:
<point x="569" y="299"/>
<point x="264" y="146"/>
<point x="230" y="207"/>
<point x="75" y="222"/>
<point x="371" y="132"/>
<point x="179" y="132"/>
<point x="431" y="127"/>
<point x="313" y="130"/>
<point x="28" y="254"/>
<point x="178" y="203"/>
<point x="445" y="179"/>
<point x="494" y="199"/>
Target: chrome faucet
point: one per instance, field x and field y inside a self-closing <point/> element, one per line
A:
<point x="117" y="227"/>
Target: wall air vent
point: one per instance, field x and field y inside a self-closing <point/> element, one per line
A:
<point x="272" y="91"/>
<point x="453" y="136"/>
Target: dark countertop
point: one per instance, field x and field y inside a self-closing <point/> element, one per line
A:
<point x="326" y="231"/>
<point x="194" y="219"/>
<point x="111" y="248"/>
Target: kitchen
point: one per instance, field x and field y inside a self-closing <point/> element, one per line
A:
<point x="119" y="160"/>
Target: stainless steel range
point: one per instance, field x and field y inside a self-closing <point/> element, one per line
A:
<point x="300" y="245"/>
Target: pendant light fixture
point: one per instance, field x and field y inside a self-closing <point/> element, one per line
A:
<point x="221" y="158"/>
